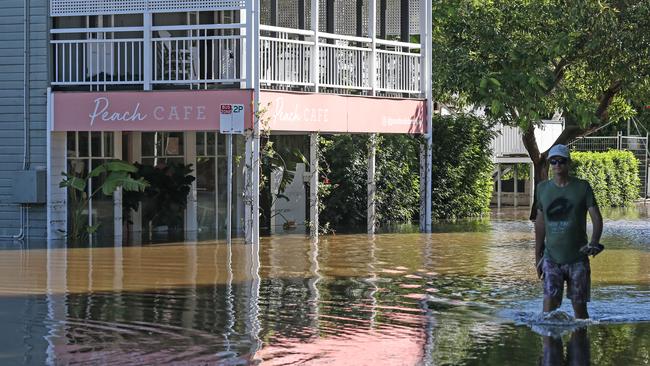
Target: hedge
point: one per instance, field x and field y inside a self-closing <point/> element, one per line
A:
<point x="613" y="175"/>
<point x="462" y="166"/>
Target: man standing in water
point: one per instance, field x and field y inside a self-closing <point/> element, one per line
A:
<point x="561" y="246"/>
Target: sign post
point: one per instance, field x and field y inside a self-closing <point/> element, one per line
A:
<point x="231" y="122"/>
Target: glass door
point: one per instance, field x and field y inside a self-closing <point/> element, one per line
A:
<point x="85" y="152"/>
<point x="211" y="193"/>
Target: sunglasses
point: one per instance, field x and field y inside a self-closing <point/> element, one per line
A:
<point x="557" y="161"/>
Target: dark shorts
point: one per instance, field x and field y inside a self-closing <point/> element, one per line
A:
<point x="577" y="276"/>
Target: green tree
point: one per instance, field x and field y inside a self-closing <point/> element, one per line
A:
<point x="523" y="60"/>
<point x="116" y="173"/>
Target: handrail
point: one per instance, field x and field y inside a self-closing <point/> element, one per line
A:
<point x="272" y="28"/>
<point x="415" y="46"/>
<point x="342" y="37"/>
<point x="198" y="27"/>
<point x="96" y="30"/>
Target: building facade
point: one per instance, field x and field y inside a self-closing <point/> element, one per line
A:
<point x="196" y="82"/>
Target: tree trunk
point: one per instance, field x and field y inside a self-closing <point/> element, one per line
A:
<point x="540" y="164"/>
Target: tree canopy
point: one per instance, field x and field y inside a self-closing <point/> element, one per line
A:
<point x="524" y="60"/>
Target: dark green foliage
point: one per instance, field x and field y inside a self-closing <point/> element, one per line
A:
<point x="398" y="178"/>
<point x="613" y="175"/>
<point x="344" y="166"/>
<point x="165" y="200"/>
<point x="462" y="168"/>
<point x="344" y="170"/>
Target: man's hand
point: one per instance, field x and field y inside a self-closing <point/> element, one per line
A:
<point x="592" y="249"/>
<point x="540" y="271"/>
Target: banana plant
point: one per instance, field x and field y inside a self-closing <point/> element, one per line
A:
<point x="116" y="173"/>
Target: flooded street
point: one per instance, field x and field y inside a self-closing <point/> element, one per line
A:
<point x="463" y="295"/>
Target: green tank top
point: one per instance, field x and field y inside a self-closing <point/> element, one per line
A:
<point x="565" y="218"/>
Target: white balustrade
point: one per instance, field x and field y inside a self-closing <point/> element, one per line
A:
<point x="92" y="57"/>
<point x="285" y="56"/>
<point x="344" y="61"/>
<point x="398" y="67"/>
<point x="196" y="55"/>
<point x="203" y="55"/>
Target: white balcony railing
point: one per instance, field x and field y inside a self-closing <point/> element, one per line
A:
<point x="93" y="58"/>
<point x="203" y="55"/>
<point x="190" y="55"/>
<point x="344" y="62"/>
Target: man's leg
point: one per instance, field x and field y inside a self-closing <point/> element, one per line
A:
<point x="579" y="288"/>
<point x="553" y="282"/>
<point x="580" y="310"/>
<point x="551" y="303"/>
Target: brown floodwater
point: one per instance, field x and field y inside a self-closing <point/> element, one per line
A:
<point x="464" y="295"/>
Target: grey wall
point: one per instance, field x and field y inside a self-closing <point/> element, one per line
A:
<point x="11" y="106"/>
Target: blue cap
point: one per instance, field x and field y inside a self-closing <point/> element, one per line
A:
<point x="559" y="150"/>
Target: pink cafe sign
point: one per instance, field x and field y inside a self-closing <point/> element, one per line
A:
<point x="146" y="111"/>
<point x="342" y="114"/>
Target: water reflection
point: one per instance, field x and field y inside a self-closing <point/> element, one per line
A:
<point x="577" y="352"/>
<point x="406" y="298"/>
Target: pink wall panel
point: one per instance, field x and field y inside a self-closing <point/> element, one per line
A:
<point x="145" y="111"/>
<point x="306" y="112"/>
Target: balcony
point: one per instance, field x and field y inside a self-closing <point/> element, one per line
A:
<point x="190" y="51"/>
<point x="198" y="56"/>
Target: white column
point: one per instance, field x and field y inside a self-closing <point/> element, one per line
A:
<point x="516" y="193"/>
<point x="315" y="54"/>
<point x="313" y="185"/>
<point x="147" y="50"/>
<point x="372" y="187"/>
<point x="248" y="188"/>
<point x="57" y="198"/>
<point x="246" y="16"/>
<point x="117" y="195"/>
<point x="255" y="66"/>
<point x="498" y="185"/>
<point x="423" y="186"/>
<point x="229" y="189"/>
<point x="425" y="78"/>
<point x="372" y="33"/>
<point x="191" y="221"/>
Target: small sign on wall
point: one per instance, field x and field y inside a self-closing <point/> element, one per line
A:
<point x="231" y="119"/>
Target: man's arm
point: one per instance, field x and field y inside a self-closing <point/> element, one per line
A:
<point x="540" y="235"/>
<point x="597" y="221"/>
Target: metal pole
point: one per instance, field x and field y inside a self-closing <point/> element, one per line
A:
<point x="372" y="187"/>
<point x="516" y="190"/>
<point x="315" y="71"/>
<point x="499" y="185"/>
<point x="313" y="186"/>
<point x="229" y="189"/>
<point x="147" y="51"/>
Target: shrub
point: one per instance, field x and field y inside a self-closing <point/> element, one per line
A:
<point x="344" y="166"/>
<point x="462" y="166"/>
<point x="613" y="175"/>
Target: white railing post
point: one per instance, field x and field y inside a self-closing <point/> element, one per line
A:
<point x="372" y="34"/>
<point x="315" y="71"/>
<point x="147" y="50"/>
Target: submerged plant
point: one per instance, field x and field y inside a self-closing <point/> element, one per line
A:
<point x="115" y="174"/>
